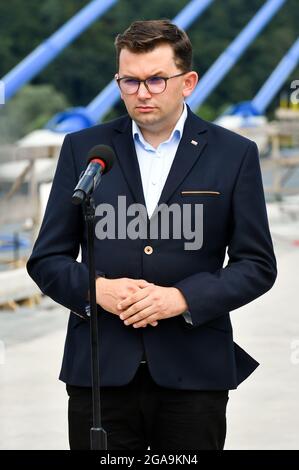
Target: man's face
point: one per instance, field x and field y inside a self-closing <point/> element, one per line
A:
<point x="155" y="111"/>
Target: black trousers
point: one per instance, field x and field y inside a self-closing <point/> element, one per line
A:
<point x="143" y="415"/>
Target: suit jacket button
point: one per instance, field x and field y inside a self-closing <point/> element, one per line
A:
<point x="148" y="250"/>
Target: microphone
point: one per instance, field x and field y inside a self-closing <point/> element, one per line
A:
<point x="100" y="160"/>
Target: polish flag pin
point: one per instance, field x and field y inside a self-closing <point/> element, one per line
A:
<point x="193" y="142"/>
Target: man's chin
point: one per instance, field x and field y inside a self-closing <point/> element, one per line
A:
<point x="145" y="119"/>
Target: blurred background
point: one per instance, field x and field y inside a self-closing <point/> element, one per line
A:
<point x="57" y="63"/>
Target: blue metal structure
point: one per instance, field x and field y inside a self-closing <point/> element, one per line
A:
<point x="263" y="98"/>
<point x="49" y="49"/>
<point x="230" y="56"/>
<point x="79" y="118"/>
<point x="285" y="67"/>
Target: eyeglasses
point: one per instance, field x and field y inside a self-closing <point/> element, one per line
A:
<point x="154" y="85"/>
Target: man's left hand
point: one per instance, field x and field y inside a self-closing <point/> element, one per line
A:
<point x="150" y="304"/>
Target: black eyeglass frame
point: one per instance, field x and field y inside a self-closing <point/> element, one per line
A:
<point x="145" y="82"/>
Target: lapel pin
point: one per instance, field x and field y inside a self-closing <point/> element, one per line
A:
<point x="193" y="142"/>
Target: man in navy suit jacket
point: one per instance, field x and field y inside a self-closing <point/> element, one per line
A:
<point x="167" y="356"/>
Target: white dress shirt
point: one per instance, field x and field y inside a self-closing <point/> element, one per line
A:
<point x="155" y="165"/>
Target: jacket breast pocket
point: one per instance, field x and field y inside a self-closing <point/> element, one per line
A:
<point x="195" y="192"/>
<point x="207" y="205"/>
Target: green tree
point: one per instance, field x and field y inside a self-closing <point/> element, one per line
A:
<point x="28" y="110"/>
<point x="82" y="70"/>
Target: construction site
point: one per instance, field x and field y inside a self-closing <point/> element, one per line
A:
<point x="263" y="413"/>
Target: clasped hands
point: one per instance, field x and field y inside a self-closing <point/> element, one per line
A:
<point x="138" y="302"/>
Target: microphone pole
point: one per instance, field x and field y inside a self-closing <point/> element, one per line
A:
<point x="83" y="195"/>
<point x="98" y="436"/>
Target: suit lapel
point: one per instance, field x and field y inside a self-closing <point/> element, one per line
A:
<point x="127" y="158"/>
<point x="192" y="144"/>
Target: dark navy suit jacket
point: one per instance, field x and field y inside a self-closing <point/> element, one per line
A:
<point x="180" y="356"/>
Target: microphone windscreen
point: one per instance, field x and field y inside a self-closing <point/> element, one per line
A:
<point x="103" y="152"/>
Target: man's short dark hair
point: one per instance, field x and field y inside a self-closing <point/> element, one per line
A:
<point x="144" y="36"/>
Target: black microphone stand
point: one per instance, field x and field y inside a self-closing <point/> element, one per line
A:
<point x="98" y="436"/>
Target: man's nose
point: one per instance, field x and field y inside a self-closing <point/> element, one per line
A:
<point x="143" y="91"/>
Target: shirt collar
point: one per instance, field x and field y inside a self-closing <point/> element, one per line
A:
<point x="177" y="130"/>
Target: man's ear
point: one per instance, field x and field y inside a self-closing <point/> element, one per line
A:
<point x="190" y="82"/>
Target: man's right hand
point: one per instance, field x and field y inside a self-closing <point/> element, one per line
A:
<point x="110" y="292"/>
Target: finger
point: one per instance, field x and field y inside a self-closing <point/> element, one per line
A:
<point x="142" y="283"/>
<point x="134" y="309"/>
<point x="151" y="320"/>
<point x="140" y="316"/>
<point x="136" y="284"/>
<point x="132" y="299"/>
<point x="152" y="324"/>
